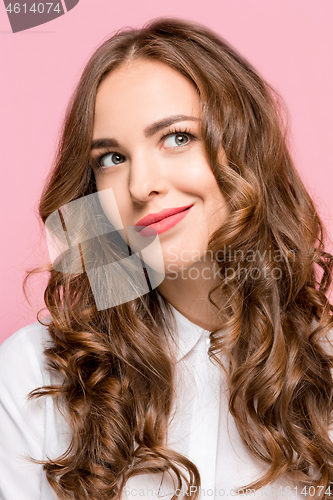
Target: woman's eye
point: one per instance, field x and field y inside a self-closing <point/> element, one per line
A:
<point x="111" y="159"/>
<point x="175" y="140"/>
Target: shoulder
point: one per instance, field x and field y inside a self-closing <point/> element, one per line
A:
<point x="29" y="340"/>
<point x="29" y="427"/>
<point x="21" y="356"/>
<point x="23" y="369"/>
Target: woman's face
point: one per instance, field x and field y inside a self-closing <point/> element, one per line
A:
<point x="152" y="156"/>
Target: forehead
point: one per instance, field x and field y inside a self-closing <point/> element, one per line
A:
<point x="149" y="90"/>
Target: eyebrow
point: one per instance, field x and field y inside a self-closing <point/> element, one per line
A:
<point x="166" y="122"/>
<point x="104" y="143"/>
<point x="148" y="131"/>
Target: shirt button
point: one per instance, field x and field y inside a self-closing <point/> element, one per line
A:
<point x="208" y="341"/>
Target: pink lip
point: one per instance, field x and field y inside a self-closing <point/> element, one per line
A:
<point x="161" y="221"/>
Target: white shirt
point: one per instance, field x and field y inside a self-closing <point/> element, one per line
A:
<point x="201" y="427"/>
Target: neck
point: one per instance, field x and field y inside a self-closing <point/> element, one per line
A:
<point x="187" y="291"/>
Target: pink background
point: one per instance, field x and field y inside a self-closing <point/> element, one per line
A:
<point x="288" y="41"/>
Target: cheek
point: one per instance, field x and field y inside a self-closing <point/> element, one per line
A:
<point x="215" y="203"/>
<point x="201" y="172"/>
<point x="206" y="187"/>
<point x="110" y="206"/>
<point x="199" y="175"/>
<point x="112" y="200"/>
<point x="113" y="197"/>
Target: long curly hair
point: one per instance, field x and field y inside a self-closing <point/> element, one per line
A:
<point x="118" y="387"/>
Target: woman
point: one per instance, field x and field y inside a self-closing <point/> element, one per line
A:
<point x="216" y="376"/>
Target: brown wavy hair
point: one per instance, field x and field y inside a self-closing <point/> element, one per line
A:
<point x="118" y="373"/>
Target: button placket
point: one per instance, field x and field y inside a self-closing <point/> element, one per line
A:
<point x="207" y="339"/>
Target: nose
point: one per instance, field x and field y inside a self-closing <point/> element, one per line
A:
<point x="147" y="178"/>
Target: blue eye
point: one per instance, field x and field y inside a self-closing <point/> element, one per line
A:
<point x="111" y="159"/>
<point x="174" y="140"/>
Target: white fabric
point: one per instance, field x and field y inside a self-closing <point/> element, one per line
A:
<point x="200" y="429"/>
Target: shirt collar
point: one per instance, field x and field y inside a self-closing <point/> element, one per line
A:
<point x="187" y="335"/>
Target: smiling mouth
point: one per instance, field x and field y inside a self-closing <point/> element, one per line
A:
<point x="154" y="218"/>
<point x="162" y="225"/>
<point x="167" y="217"/>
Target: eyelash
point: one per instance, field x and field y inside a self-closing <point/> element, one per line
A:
<point x="176" y="131"/>
<point x="97" y="160"/>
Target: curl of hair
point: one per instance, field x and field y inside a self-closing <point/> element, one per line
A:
<point x="118" y="374"/>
